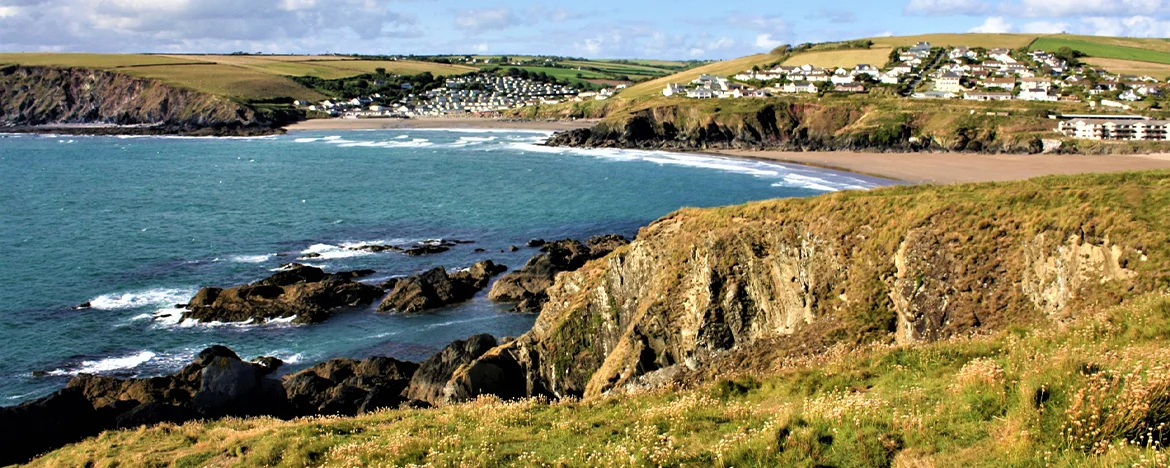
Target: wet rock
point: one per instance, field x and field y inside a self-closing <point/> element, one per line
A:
<point x="304" y="292"/>
<point x="41" y="425"/>
<point x="432" y="376"/>
<point x="436" y="288"/>
<point x="377" y="248"/>
<point x="536" y="243"/>
<point x="526" y="286"/>
<point x="513" y="249"/>
<point x="426" y="250"/>
<point x="83" y="305"/>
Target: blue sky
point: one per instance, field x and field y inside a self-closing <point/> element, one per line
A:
<point x="679" y="29"/>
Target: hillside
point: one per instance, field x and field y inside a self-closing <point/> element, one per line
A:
<point x="249" y="77"/>
<point x="986" y="325"/>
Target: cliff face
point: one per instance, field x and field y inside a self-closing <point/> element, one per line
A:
<point x="804" y="126"/>
<point x="33" y="96"/>
<point x="902" y="265"/>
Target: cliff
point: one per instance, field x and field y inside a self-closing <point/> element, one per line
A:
<point x="32" y="97"/>
<point x="828" y="124"/>
<point x="705" y="291"/>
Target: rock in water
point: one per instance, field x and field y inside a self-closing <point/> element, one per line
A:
<point x="436" y="288"/>
<point x="308" y="293"/>
<point x="431" y="379"/>
<point x="527" y="286"/>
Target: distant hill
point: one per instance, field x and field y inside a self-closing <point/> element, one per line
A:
<point x="236" y="76"/>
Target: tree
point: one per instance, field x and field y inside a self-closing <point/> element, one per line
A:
<point x="380" y="71"/>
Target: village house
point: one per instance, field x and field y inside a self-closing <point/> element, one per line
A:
<point x="1000" y="83"/>
<point x="948" y="83"/>
<point x="985" y="96"/>
<point x="800" y="87"/>
<point x="1037" y="95"/>
<point x="1031" y="84"/>
<point x="849" y="88"/>
<point x="842" y="80"/>
<point x="1116" y="129"/>
<point x="865" y="69"/>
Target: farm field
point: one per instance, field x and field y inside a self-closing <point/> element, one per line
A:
<point x="725" y="68"/>
<point x="226" y="80"/>
<point x="1154" y="44"/>
<point x="1103" y="50"/>
<point x="1011" y="41"/>
<point x="99" y="61"/>
<point x="620" y="68"/>
<point x="842" y="58"/>
<point x="1160" y="71"/>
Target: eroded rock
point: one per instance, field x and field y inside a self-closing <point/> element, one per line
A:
<point x="304" y="292"/>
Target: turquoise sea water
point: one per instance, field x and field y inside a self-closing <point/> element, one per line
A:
<point x="137" y="225"/>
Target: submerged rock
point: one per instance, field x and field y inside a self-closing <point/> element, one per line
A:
<point x="526" y="286"/>
<point x="304" y="292"/>
<point x="436" y="288"/>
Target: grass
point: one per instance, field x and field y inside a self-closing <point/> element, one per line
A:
<point x="842" y="58"/>
<point x="620" y="68"/>
<point x="990" y="41"/>
<point x="226" y="80"/>
<point x="726" y="68"/>
<point x="1089" y="389"/>
<point x="1155" y="44"/>
<point x="1131" y="67"/>
<point x="1103" y="50"/>
<point x="1091" y="393"/>
<point x="99" y="61"/>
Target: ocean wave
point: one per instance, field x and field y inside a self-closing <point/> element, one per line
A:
<point x="282" y="322"/>
<point x="789" y="175"/>
<point x="415" y="143"/>
<point x="486" y="130"/>
<point x="107" y="365"/>
<point x="332" y="252"/>
<point x="139" y="299"/>
<point x="251" y="258"/>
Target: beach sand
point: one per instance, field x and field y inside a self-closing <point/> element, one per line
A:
<point x="943" y="168"/>
<point x="390" y="124"/>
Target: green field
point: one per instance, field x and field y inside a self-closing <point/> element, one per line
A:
<point x="226" y="80"/>
<point x="620" y="68"/>
<point x="989" y="41"/>
<point x="1102" y="50"/>
<point x="99" y="61"/>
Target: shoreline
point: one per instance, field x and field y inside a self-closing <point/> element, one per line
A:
<point x="439" y="123"/>
<point x="952" y="168"/>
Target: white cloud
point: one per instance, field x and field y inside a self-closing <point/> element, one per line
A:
<point x="945" y="7"/>
<point x="481" y="48"/>
<point x="994" y="24"/>
<point x="1134" y="26"/>
<point x="766" y="41"/>
<point x="1086" y="8"/>
<point x="1045" y="27"/>
<point x="484" y="20"/>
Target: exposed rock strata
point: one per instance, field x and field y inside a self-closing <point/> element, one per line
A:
<point x="37" y="96"/>
<point x="527" y="286"/>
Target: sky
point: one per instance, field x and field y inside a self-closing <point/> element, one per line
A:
<point x="676" y="29"/>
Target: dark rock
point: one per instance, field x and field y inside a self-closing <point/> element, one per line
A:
<point x="426" y="250"/>
<point x="377" y="248"/>
<point x="513" y="249"/>
<point x="526" y="286"/>
<point x="83" y="305"/>
<point x="38" y="426"/>
<point x="151" y="414"/>
<point x="310" y="256"/>
<point x="436" y="288"/>
<point x="321" y="389"/>
<point x="434" y="373"/>
<point x="535" y="243"/>
<point x="304" y="292"/>
<point x="480" y="250"/>
<point x="268" y="364"/>
<point x="354" y="274"/>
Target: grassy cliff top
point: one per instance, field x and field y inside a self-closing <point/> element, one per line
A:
<point x="1090" y="390"/>
<point x="236" y="76"/>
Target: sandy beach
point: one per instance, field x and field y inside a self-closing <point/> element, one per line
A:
<point x="390" y="124"/>
<point x="943" y="168"/>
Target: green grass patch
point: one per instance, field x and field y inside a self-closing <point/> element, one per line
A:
<point x="1096" y="49"/>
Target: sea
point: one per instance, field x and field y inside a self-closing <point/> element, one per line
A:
<point x="136" y="225"/>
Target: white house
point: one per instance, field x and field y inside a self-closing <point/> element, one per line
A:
<point x="865" y="69"/>
<point x="674" y="88"/>
<point x="842" y="79"/>
<point x="887" y="78"/>
<point x="1037" y="95"/>
<point x="700" y="93"/>
<point x="948" y="83"/>
<point x="800" y="87"/>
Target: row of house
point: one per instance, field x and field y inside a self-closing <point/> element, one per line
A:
<point x="478" y="94"/>
<point x="1116" y="129"/>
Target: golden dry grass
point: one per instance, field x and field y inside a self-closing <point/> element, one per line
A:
<point x="226" y="80"/>
<point x="877" y="57"/>
<point x="724" y="68"/>
<point x="99" y="61"/>
<point x="1131" y="67"/>
<point x="1010" y="41"/>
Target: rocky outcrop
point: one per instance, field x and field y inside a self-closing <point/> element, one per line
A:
<point x="527" y="286"/>
<point x="801" y="126"/>
<point x="216" y="384"/>
<point x="436" y="288"/>
<point x="36" y="96"/>
<point x="306" y="293"/>
<point x="348" y="387"/>
<point x="904" y="265"/>
<point x="429" y="383"/>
